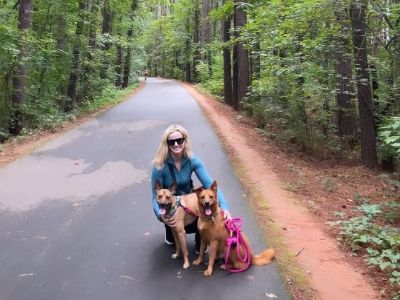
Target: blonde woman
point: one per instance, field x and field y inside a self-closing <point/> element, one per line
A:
<point x="174" y="161"/>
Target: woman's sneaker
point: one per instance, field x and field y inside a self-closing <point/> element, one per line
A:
<point x="168" y="239"/>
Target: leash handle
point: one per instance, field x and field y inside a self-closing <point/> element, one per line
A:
<point x="233" y="226"/>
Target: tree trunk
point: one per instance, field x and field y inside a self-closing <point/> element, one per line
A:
<point x="368" y="134"/>
<point x="256" y="59"/>
<point x="128" y="57"/>
<point x="196" y="51"/>
<point x="205" y="34"/>
<point x="118" y="66"/>
<point x="187" y="71"/>
<point x="75" y="64"/>
<point x="345" y="116"/>
<point x="20" y="76"/>
<point x="127" y="62"/>
<point x="225" y="32"/>
<point x="241" y="79"/>
<point x="89" y="70"/>
<point x="106" y="33"/>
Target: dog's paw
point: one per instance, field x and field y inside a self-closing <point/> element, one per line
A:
<point x="207" y="272"/>
<point x="223" y="267"/>
<point x="186" y="265"/>
<point x="175" y="256"/>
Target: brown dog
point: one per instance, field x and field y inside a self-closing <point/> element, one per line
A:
<point x="185" y="210"/>
<point x="211" y="225"/>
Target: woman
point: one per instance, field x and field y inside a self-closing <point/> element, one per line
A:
<point x="174" y="161"/>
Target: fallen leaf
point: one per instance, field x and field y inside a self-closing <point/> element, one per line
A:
<point x="128" y="277"/>
<point x="25" y="275"/>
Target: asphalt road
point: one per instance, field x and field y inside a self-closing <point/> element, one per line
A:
<point x="76" y="220"/>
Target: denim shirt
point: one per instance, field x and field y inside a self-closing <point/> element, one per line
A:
<point x="183" y="179"/>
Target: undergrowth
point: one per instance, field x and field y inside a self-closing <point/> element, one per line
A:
<point x="370" y="235"/>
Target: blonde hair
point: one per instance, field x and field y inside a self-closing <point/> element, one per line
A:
<point x="162" y="152"/>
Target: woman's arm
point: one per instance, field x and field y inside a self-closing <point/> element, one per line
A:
<point x="206" y="180"/>
<point x="155" y="175"/>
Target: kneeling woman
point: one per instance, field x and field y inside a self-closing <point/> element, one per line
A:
<point x="174" y="162"/>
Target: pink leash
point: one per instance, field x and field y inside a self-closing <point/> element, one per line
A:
<point x="233" y="226"/>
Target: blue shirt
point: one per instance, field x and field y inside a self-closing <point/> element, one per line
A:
<point x="183" y="179"/>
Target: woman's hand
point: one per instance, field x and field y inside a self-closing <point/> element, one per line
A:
<point x="171" y="221"/>
<point x="227" y="214"/>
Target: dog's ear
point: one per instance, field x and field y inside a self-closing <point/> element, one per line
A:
<point x="198" y="191"/>
<point x="213" y="187"/>
<point x="157" y="186"/>
<point x="172" y="188"/>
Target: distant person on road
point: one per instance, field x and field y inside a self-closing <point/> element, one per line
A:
<point x="174" y="161"/>
<point x="146" y="73"/>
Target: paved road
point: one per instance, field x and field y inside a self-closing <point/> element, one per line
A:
<point x="76" y="220"/>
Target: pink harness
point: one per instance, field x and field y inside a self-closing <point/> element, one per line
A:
<point x="233" y="226"/>
<point x="186" y="209"/>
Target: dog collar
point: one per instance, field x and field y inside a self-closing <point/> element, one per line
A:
<point x="210" y="218"/>
<point x="172" y="211"/>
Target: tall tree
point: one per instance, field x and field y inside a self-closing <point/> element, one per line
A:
<point x="89" y="69"/>
<point x="119" y="62"/>
<point x="187" y="70"/>
<point x="128" y="58"/>
<point x="367" y="124"/>
<point x="225" y="34"/>
<point x="205" y="33"/>
<point x="345" y="115"/>
<point x="106" y="31"/>
<point x="241" y="77"/>
<point x="75" y="63"/>
<point x="20" y="76"/>
<point x="196" y="50"/>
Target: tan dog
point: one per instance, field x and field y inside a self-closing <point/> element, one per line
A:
<point x="185" y="210"/>
<point x="211" y="225"/>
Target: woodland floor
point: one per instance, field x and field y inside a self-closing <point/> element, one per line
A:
<point x="299" y="174"/>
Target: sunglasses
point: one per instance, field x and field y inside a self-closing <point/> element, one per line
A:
<point x="179" y="141"/>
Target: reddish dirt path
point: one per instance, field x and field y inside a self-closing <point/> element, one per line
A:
<point x="330" y="276"/>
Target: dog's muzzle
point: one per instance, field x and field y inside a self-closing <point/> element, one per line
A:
<point x="207" y="208"/>
<point x="164" y="208"/>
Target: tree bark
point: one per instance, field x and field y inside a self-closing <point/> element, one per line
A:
<point x="345" y="115"/>
<point x="256" y="59"/>
<point x="368" y="134"/>
<point x="225" y="33"/>
<point x="196" y="51"/>
<point x="128" y="57"/>
<point x="75" y="64"/>
<point x="89" y="70"/>
<point x="106" y="33"/>
<point x="187" y="71"/>
<point x="241" y="76"/>
<point x="20" y="76"/>
<point x="118" y="67"/>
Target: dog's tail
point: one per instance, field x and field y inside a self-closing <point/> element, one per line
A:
<point x="263" y="258"/>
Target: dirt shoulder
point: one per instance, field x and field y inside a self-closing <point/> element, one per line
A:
<point x="288" y="195"/>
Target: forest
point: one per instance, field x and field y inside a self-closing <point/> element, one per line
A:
<point x="320" y="75"/>
<point x="324" y="75"/>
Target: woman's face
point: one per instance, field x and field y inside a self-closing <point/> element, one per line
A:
<point x="176" y="143"/>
